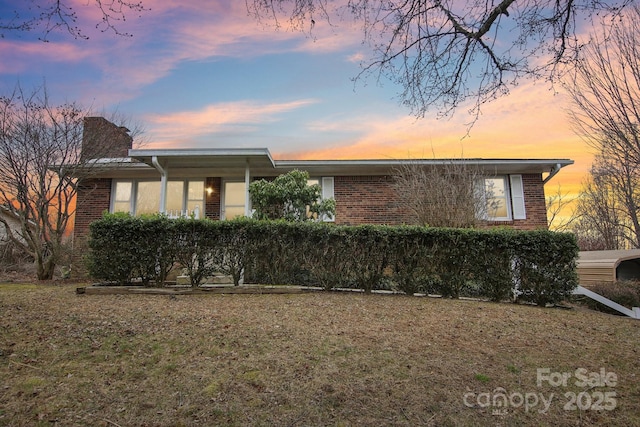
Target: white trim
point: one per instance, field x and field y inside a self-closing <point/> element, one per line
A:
<point x="634" y="312"/>
<point x="199" y="152"/>
<point x="163" y="184"/>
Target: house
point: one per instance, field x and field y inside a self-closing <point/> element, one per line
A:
<point x="10" y="220"/>
<point x="10" y="252"/>
<point x="213" y="183"/>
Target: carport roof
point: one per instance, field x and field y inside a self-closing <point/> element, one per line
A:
<point x="610" y="259"/>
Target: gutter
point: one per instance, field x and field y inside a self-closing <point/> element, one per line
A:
<point x="553" y="172"/>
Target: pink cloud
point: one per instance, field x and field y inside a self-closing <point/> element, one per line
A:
<point x="190" y="32"/>
<point x="16" y="54"/>
<point x="180" y="127"/>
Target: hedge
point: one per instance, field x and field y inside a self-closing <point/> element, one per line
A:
<point x="497" y="264"/>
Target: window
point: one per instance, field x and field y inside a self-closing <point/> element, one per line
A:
<point x="235" y="193"/>
<point x="496" y="193"/>
<point x="326" y="188"/>
<point x="328" y="193"/>
<point x="504" y="196"/>
<point x="175" y="197"/>
<point x="147" y="197"/>
<point x="121" y="200"/>
<point x="143" y="197"/>
<point x="195" y="194"/>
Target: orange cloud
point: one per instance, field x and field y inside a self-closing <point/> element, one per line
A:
<point x="529" y="123"/>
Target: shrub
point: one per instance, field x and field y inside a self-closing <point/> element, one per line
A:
<point x="276" y="252"/>
<point x="413" y="259"/>
<point x="197" y="244"/>
<point x="450" y="262"/>
<point x="325" y="255"/>
<point x="155" y="248"/>
<point x="367" y="253"/>
<point x="110" y="257"/>
<point x="624" y="292"/>
<point x="544" y="266"/>
<point x="124" y="247"/>
<point x="234" y="246"/>
<point x="11" y="257"/>
<point x="289" y="197"/>
<point x="493" y="273"/>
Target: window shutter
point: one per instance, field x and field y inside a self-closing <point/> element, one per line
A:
<point x="327" y="193"/>
<point x="517" y="197"/>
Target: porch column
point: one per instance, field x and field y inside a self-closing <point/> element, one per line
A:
<point x="163" y="184"/>
<point x="247" y="180"/>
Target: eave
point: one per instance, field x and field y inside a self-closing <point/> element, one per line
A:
<point x="234" y="163"/>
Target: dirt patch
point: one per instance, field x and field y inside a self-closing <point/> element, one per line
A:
<point x="307" y="359"/>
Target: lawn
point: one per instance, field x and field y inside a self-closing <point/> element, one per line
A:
<point x="337" y="359"/>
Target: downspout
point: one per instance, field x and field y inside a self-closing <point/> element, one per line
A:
<point x="553" y="172"/>
<point x="163" y="184"/>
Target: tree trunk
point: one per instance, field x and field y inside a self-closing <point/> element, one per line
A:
<point x="45" y="268"/>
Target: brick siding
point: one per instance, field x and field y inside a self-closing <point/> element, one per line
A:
<point x="101" y="138"/>
<point x="359" y="200"/>
<point x="212" y="201"/>
<point x="94" y="196"/>
<point x="92" y="200"/>
<point x="534" y="203"/>
<point x="372" y="200"/>
<point x="366" y="200"/>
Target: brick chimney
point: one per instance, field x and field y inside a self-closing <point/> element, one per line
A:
<point x="103" y="139"/>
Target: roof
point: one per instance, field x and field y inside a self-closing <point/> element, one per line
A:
<point x="209" y="158"/>
<point x="490" y="166"/>
<point x="607" y="258"/>
<point x="233" y="162"/>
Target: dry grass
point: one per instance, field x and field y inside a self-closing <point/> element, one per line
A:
<point x="305" y="359"/>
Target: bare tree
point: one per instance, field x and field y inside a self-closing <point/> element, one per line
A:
<point x="605" y="91"/>
<point x="599" y="223"/>
<point x="49" y="16"/>
<point x="557" y="205"/>
<point x="447" y="52"/>
<point x="609" y="202"/>
<point x="41" y="164"/>
<point x="453" y="194"/>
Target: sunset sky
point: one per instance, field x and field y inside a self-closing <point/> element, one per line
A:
<point x="207" y="75"/>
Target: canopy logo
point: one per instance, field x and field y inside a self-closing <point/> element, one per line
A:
<point x="500" y="400"/>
